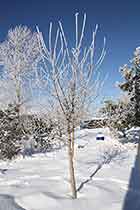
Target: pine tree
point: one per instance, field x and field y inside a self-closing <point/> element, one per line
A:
<point x="131" y="85"/>
<point x="11" y="133"/>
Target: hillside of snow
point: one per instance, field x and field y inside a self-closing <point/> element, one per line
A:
<point x="41" y="182"/>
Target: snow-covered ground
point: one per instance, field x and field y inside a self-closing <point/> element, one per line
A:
<point x="41" y="182"/>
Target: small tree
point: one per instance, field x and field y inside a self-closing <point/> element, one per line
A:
<point x="70" y="79"/>
<point x="118" y="114"/>
<point x="10" y="134"/>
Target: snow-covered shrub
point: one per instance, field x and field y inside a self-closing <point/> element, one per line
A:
<point x="11" y="133"/>
<point x="48" y="137"/>
<point x="119" y="115"/>
<point x="109" y="151"/>
<point x="26" y="134"/>
<point x="43" y="134"/>
<point x="132" y="135"/>
<point x="28" y="146"/>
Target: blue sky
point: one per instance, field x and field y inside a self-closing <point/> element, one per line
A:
<point x="118" y="22"/>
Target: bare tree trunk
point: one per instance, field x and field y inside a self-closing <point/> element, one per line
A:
<point x="71" y="165"/>
<point x="18" y="95"/>
<point x="73" y="143"/>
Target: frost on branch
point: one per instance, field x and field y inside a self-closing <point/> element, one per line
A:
<point x="70" y="75"/>
<point x="19" y="56"/>
<point x="19" y="52"/>
<point x="110" y="151"/>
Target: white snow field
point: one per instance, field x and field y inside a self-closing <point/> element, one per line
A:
<point x="41" y="182"/>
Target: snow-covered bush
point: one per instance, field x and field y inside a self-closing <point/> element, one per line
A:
<point x="42" y="133"/>
<point x="119" y="116"/>
<point x="109" y="151"/>
<point x="26" y="134"/>
<point x="132" y="135"/>
<point x="11" y="133"/>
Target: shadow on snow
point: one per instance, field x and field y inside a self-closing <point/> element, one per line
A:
<point x="132" y="198"/>
<point x="7" y="203"/>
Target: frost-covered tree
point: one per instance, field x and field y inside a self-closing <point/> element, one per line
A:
<point x="124" y="113"/>
<point x="118" y="114"/>
<point x="131" y="85"/>
<point x="70" y="77"/>
<point x="19" y="54"/>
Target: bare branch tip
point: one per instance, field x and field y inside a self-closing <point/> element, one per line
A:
<point x="76" y="14"/>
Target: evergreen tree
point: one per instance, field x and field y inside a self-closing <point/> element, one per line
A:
<point x="117" y="114"/>
<point x="11" y="133"/>
<point x="131" y="85"/>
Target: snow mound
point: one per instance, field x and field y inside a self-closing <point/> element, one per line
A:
<point x="38" y="201"/>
